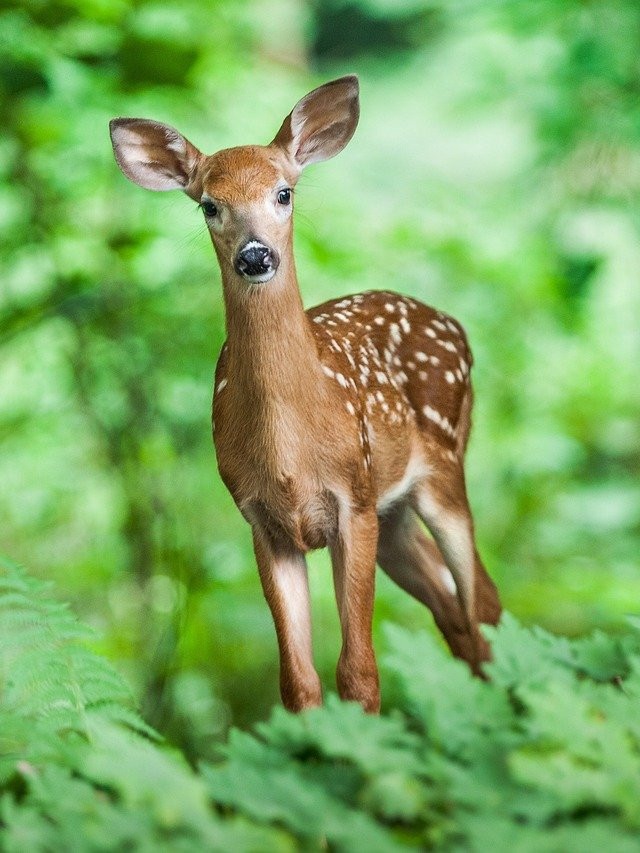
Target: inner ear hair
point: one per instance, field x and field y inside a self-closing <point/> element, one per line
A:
<point x="322" y="123"/>
<point x="155" y="155"/>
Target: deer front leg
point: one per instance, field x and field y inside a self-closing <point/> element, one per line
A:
<point x="283" y="573"/>
<point x="353" y="555"/>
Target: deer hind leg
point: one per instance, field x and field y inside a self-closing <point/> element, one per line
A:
<point x="414" y="562"/>
<point x="441" y="502"/>
<point x="353" y="556"/>
<point x="283" y="573"/>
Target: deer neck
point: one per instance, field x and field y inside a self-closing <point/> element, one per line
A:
<point x="272" y="361"/>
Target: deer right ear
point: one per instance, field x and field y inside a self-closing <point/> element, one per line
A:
<point x="321" y="124"/>
<point x="155" y="156"/>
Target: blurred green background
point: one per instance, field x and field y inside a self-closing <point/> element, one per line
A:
<point x="495" y="173"/>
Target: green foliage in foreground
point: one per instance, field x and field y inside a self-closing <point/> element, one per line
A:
<point x="545" y="757"/>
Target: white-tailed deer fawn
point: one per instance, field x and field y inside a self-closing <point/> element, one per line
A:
<point x="341" y="426"/>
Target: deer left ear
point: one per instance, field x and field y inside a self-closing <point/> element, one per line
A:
<point x="154" y="155"/>
<point x="322" y="123"/>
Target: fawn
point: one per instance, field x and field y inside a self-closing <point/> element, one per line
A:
<point x="340" y="427"/>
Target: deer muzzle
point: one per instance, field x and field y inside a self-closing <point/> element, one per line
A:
<point x="256" y="262"/>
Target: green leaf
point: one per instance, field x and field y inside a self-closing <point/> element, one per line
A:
<point x="342" y="730"/>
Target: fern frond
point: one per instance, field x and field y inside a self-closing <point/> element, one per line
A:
<point x="46" y="671"/>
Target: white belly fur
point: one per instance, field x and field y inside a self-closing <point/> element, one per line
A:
<point x="415" y="471"/>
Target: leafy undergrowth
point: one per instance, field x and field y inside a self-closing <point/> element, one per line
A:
<point x="543" y="757"/>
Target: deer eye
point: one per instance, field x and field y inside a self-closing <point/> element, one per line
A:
<point x="209" y="209"/>
<point x="284" y="197"/>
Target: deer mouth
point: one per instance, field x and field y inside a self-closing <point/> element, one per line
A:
<point x="261" y="278"/>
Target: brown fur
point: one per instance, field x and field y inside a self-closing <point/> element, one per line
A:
<point x="336" y="427"/>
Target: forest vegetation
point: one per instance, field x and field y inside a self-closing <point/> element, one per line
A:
<point x="495" y="173"/>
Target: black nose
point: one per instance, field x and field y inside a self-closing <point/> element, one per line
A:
<point x="255" y="259"/>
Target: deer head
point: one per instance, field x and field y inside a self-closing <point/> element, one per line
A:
<point x="246" y="193"/>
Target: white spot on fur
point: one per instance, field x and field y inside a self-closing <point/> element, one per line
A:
<point x="450" y="377"/>
<point x="439" y="419"/>
<point x="221" y="386"/>
<point x="350" y="408"/>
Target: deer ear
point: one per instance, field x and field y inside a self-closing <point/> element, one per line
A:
<point x="154" y="155"/>
<point x="321" y="124"/>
